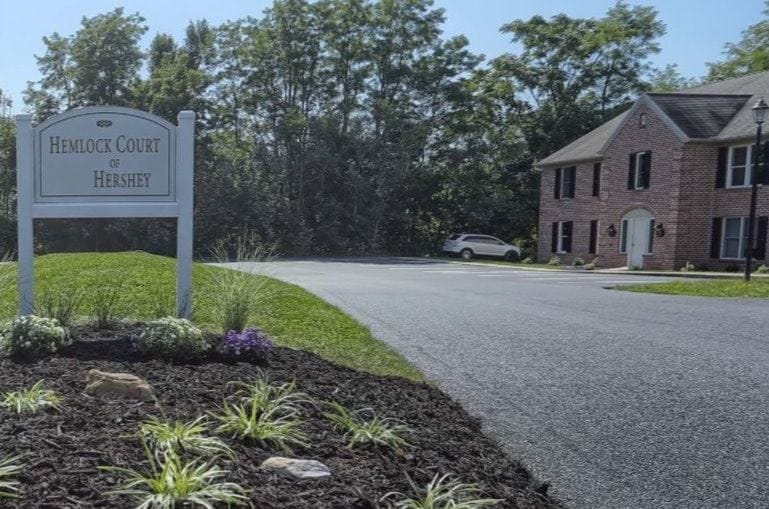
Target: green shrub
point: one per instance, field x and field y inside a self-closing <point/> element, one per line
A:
<point x="577" y="262"/>
<point x="104" y="306"/>
<point x="172" y="338"/>
<point x="554" y="261"/>
<point x="592" y="265"/>
<point x="688" y="267"/>
<point x="763" y="269"/>
<point x="32" y="336"/>
<point x="239" y="292"/>
<point x="528" y="260"/>
<point x="733" y="267"/>
<point x="61" y="306"/>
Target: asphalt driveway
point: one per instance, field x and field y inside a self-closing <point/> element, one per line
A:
<point x="619" y="399"/>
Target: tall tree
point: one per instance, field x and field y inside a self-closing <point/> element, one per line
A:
<point x="574" y="73"/>
<point x="749" y="55"/>
<point x="99" y="64"/>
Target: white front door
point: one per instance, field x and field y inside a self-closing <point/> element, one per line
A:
<point x="637" y="225"/>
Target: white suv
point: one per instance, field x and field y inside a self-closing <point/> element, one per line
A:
<point x="468" y="245"/>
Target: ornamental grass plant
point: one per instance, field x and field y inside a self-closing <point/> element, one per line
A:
<point x="240" y="292"/>
<point x="173" y="482"/>
<point x="10" y="467"/>
<point x="441" y="492"/>
<point x="377" y="430"/>
<point x="31" y="400"/>
<point x="266" y="413"/>
<point x="183" y="438"/>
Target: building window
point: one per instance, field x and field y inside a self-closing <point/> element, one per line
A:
<point x="565" y="182"/>
<point x="562" y="234"/>
<point x="642" y="120"/>
<point x="593" y="246"/>
<point x="734" y="237"/>
<point x="639" y="172"/>
<point x="596" y="179"/>
<point x="739" y="171"/>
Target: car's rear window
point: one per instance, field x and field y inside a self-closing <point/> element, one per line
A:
<point x="455" y="236"/>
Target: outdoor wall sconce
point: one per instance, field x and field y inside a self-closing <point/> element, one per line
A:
<point x="659" y="230"/>
<point x="611" y="231"/>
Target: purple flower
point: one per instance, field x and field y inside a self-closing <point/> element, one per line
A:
<point x="250" y="344"/>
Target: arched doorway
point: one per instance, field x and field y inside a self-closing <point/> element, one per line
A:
<point x="637" y="236"/>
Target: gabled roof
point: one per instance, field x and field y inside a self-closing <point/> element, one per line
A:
<point x="718" y="111"/>
<point x="700" y="115"/>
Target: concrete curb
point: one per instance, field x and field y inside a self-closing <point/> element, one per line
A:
<point x="613" y="272"/>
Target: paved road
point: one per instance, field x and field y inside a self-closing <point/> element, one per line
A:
<point x="619" y="399"/>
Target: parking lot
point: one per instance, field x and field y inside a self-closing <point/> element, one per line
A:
<point x="619" y="399"/>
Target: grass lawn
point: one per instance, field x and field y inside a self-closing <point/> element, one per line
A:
<point x="292" y="316"/>
<point x="758" y="288"/>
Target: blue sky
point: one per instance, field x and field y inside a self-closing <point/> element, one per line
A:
<point x="696" y="29"/>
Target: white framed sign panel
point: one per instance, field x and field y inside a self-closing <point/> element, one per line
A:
<point x="105" y="162"/>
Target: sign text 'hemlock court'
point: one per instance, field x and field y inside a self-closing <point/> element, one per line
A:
<point x="110" y="162"/>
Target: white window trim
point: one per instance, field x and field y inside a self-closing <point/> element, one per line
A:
<point x="560" y="238"/>
<point x="748" y="170"/>
<point x="743" y="237"/>
<point x="638" y="184"/>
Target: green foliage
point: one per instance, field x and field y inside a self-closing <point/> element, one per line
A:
<point x="554" y="261"/>
<point x="238" y="292"/>
<point x="182" y="438"/>
<point x="528" y="260"/>
<point x="61" y="306"/>
<point x="733" y="288"/>
<point x="577" y="262"/>
<point x="592" y="265"/>
<point x="33" y="336"/>
<point x="441" y="492"/>
<point x="688" y="267"/>
<point x="749" y="55"/>
<point x="31" y="400"/>
<point x="292" y="317"/>
<point x="172" y="338"/>
<point x="10" y="467"/>
<point x="175" y="482"/>
<point x="105" y="305"/>
<point x="378" y="430"/>
<point x="763" y="269"/>
<point x="264" y="412"/>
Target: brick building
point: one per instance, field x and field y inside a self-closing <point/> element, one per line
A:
<point x="666" y="182"/>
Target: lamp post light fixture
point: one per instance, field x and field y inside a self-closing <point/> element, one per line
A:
<point x="759" y="115"/>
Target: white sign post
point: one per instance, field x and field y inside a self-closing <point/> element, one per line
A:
<point x="105" y="161"/>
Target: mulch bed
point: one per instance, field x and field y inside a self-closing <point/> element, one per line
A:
<point x="64" y="449"/>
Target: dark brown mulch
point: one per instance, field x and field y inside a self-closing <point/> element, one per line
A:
<point x="64" y="449"/>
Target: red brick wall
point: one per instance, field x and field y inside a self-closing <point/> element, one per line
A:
<point x="615" y="199"/>
<point x="682" y="197"/>
<point x="703" y="201"/>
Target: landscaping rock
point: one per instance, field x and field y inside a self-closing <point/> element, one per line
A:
<point x="299" y="469"/>
<point x="102" y="383"/>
